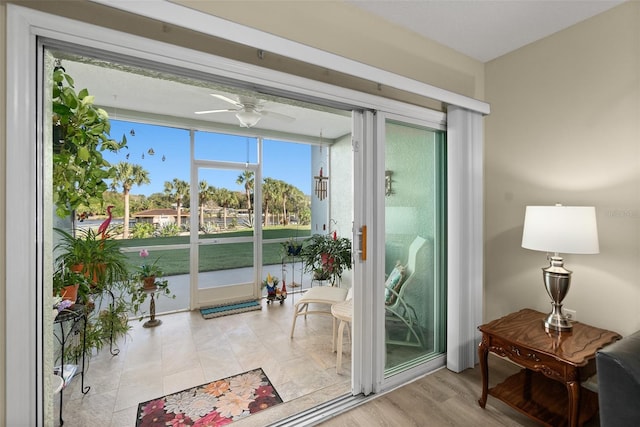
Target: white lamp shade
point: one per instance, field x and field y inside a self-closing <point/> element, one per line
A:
<point x="561" y="229"/>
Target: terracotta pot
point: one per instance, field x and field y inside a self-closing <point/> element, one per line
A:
<point x="70" y="293"/>
<point x="149" y="282"/>
<point x="96" y="271"/>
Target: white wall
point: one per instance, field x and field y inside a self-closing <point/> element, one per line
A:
<point x="341" y="195"/>
<point x="565" y="129"/>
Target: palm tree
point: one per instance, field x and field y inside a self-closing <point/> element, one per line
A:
<point x="178" y="190"/>
<point x="270" y="194"/>
<point x="286" y="193"/>
<point x="126" y="176"/>
<point x="247" y="178"/>
<point x="205" y="194"/>
<point x="226" y="199"/>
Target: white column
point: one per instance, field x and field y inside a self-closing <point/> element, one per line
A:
<point x="465" y="236"/>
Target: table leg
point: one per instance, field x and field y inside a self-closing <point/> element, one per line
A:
<point x="483" y="353"/>
<point x="573" y="388"/>
<point x="333" y="340"/>
<point x="339" y="357"/>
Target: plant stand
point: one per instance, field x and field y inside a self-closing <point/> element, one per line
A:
<point x="152" y="322"/>
<point x="70" y="317"/>
<point x="293" y="258"/>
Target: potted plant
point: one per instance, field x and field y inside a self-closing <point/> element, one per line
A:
<point x="147" y="283"/>
<point x="80" y="134"/>
<point x="69" y="285"/>
<point x="147" y="273"/>
<point x="88" y="253"/>
<point x="327" y="256"/>
<point x="292" y="247"/>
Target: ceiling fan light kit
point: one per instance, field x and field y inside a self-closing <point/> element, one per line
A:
<point x="247" y="110"/>
<point x="248" y="118"/>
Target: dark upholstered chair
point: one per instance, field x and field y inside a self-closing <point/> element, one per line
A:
<point x="619" y="382"/>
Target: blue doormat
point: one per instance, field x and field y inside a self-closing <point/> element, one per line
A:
<point x="233" y="308"/>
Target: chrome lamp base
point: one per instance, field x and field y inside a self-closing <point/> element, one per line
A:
<point x="557" y="280"/>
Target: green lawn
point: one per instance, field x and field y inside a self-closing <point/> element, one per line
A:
<point x="212" y="257"/>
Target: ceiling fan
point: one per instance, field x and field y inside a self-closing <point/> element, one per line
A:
<point x="248" y="110"/>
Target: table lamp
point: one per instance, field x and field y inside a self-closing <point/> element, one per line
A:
<point x="559" y="229"/>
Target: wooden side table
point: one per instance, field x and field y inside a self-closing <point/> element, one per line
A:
<point x="547" y="389"/>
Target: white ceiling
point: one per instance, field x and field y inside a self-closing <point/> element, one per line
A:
<point x="485" y="29"/>
<point x="135" y="94"/>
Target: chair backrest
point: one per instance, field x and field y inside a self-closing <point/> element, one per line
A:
<point x="393" y="297"/>
<point x="416" y="245"/>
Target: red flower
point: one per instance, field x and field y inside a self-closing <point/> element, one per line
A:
<point x="264" y="390"/>
<point x="212" y="419"/>
<point x="156" y="419"/>
<point x="152" y="406"/>
<point x="181" y="420"/>
<point x="262" y="402"/>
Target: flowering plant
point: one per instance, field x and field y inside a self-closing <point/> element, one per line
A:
<point x="148" y="270"/>
<point x="327" y="256"/>
<point x="61" y="304"/>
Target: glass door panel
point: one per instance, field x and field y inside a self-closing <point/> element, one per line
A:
<point x="413" y="255"/>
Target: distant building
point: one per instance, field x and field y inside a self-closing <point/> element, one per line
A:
<point x="160" y="217"/>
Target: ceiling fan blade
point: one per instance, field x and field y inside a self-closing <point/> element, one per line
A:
<point x="278" y="116"/>
<point x="215" y="111"/>
<point x="229" y="100"/>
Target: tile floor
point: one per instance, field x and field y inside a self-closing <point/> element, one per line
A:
<point x="187" y="350"/>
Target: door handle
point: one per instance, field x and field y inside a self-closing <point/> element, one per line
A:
<point x="362" y="234"/>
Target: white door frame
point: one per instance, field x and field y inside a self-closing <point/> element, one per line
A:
<point x="220" y="295"/>
<point x="24" y="276"/>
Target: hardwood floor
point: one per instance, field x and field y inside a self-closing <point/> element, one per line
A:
<point x="442" y="398"/>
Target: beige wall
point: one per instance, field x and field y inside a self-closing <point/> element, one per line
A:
<point x="342" y="29"/>
<point x="564" y="129"/>
<point x="333" y="26"/>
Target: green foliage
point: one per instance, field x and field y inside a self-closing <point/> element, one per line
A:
<point x="327" y="256"/>
<point x="81" y="134"/>
<point x="99" y="259"/>
<point x="142" y="230"/>
<point x="103" y="275"/>
<point x="209" y="227"/>
<point x="139" y="295"/>
<point x="103" y="326"/>
<point x="169" y="230"/>
<point x="63" y="276"/>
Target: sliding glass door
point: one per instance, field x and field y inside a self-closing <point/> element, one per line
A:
<point x="403" y="198"/>
<point x="413" y="250"/>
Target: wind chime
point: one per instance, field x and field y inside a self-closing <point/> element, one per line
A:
<point x="150" y="151"/>
<point x="321" y="185"/>
<point x="321" y="181"/>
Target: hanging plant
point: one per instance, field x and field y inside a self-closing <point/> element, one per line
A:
<point x="327" y="256"/>
<point x="80" y="136"/>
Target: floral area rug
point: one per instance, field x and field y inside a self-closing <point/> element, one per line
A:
<point x="217" y="403"/>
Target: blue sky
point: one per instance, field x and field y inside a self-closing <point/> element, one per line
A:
<point x="164" y="153"/>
